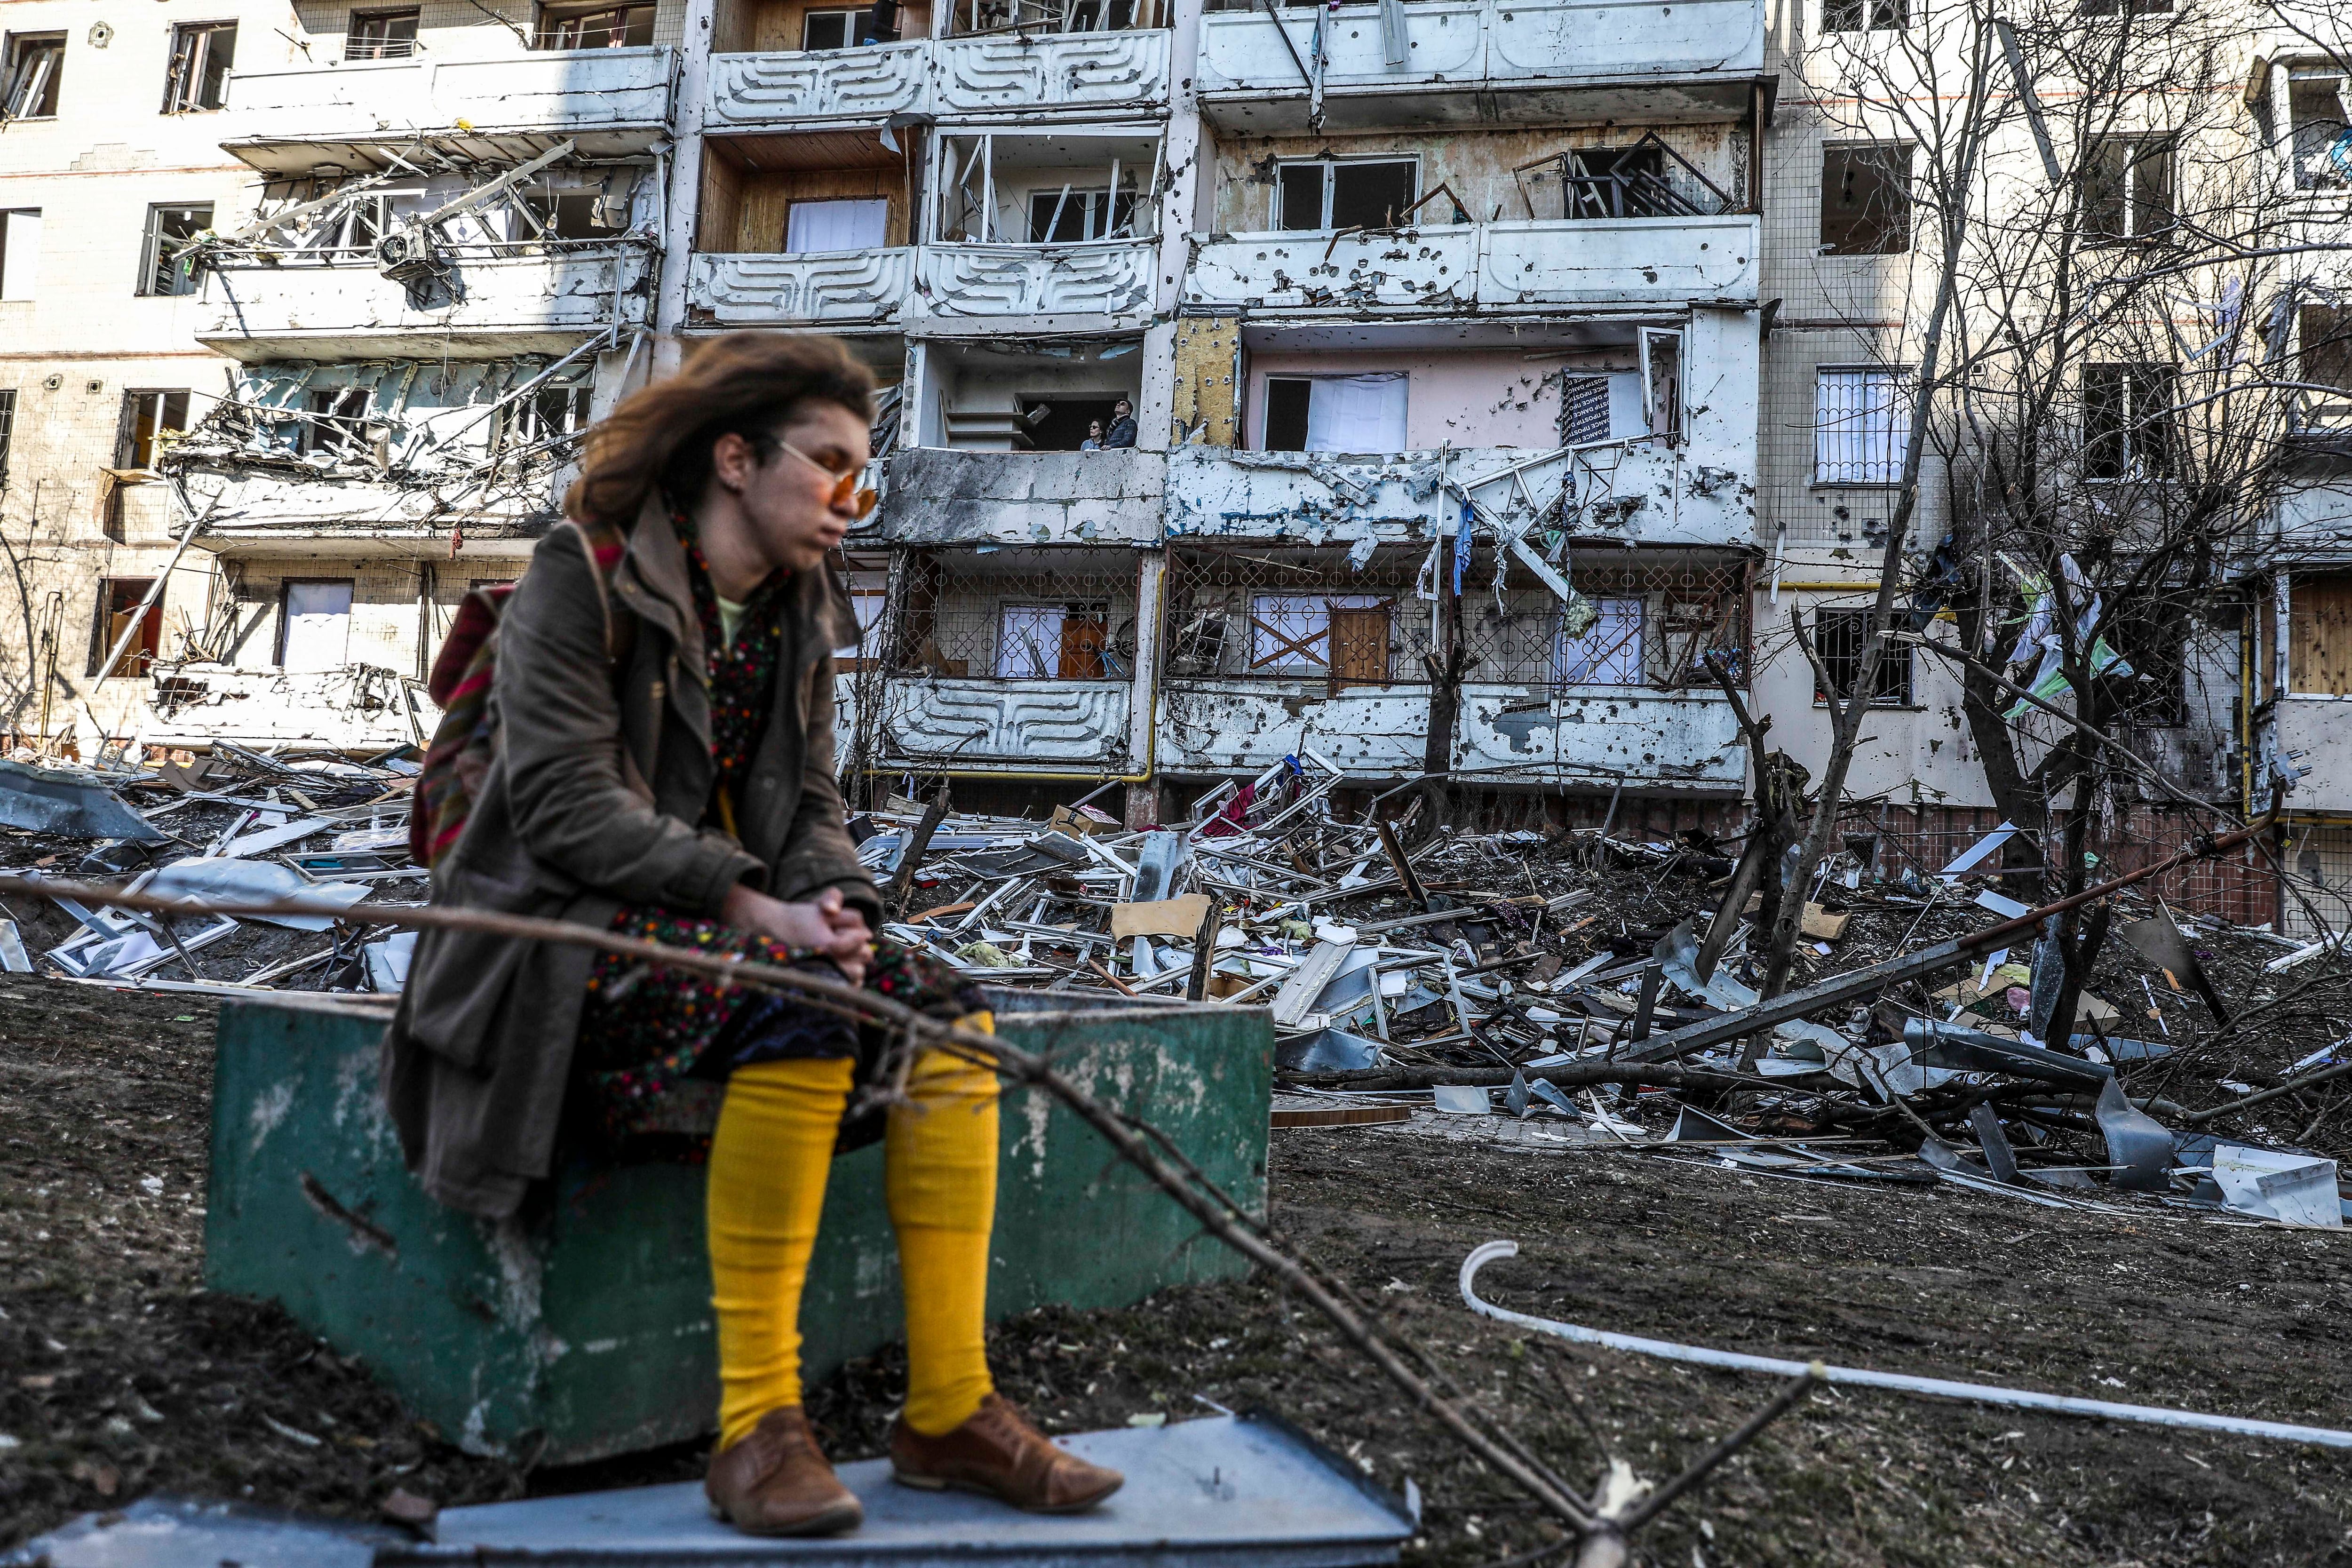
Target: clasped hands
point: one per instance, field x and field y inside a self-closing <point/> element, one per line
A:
<point x="825" y="923"/>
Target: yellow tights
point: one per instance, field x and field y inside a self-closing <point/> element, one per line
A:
<point x="769" y="1161"/>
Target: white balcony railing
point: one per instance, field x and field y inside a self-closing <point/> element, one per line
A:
<point x="853" y="288"/>
<point x="1029" y="724"/>
<point x="1097" y="278"/>
<point x="525" y="304"/>
<point x="592" y="93"/>
<point x="1491" y="266"/>
<point x="1466" y="47"/>
<point x="1590" y="733"/>
<point x="1063" y="73"/>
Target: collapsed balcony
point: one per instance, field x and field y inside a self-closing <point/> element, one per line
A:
<point x="1479" y="60"/>
<point x="363" y="113"/>
<point x="1020" y="661"/>
<point x="1272" y="649"/>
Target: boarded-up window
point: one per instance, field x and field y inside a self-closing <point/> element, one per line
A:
<point x="1359" y="644"/>
<point x="1295" y="633"/>
<point x="1584" y="409"/>
<point x="1867" y="199"/>
<point x="2319" y="636"/>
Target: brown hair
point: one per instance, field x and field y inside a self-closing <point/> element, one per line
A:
<point x="745" y="384"/>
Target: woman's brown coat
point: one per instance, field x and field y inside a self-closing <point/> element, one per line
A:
<point x="567" y="827"/>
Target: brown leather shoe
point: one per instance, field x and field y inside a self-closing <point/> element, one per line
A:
<point x="998" y="1453"/>
<point x="776" y="1482"/>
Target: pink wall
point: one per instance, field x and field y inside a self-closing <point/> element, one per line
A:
<point x="1467" y="399"/>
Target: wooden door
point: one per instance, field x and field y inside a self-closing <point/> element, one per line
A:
<point x="1359" y="647"/>
<point x="1083" y="638"/>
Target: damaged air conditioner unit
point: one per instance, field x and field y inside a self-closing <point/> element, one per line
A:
<point x="407" y="254"/>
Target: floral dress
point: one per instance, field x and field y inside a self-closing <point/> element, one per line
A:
<point x="655" y="1043"/>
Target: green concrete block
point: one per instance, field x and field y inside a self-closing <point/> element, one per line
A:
<point x="582" y="1328"/>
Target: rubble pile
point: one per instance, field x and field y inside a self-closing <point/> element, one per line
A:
<point x="230" y="825"/>
<point x="1583" y="977"/>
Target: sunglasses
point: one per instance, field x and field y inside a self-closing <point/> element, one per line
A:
<point x="844" y="486"/>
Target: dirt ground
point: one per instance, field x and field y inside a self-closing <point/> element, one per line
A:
<point x="119" y="1375"/>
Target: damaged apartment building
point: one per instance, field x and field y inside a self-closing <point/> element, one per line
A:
<point x="1247" y="369"/>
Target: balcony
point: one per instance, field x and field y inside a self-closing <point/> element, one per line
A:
<point x="962" y="79"/>
<point x="497" y="305"/>
<point x="846" y="289"/>
<point x="1086" y="281"/>
<point x="612" y="102"/>
<point x="1637" y="492"/>
<point x="939" y="497"/>
<point x="1529" y="734"/>
<point x="1487" y="269"/>
<point x="1031" y="726"/>
<point x="1484" y="62"/>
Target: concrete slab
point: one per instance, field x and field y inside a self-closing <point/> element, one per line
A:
<point x="1199" y="1494"/>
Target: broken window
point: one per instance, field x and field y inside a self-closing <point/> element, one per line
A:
<point x="2325" y="351"/>
<point x="149" y="418"/>
<point x="1059" y="218"/>
<point x="1343" y="636"/>
<point x="20" y="252"/>
<point x="1608" y="652"/>
<point x="1858" y="427"/>
<point x="595" y="26"/>
<point x="201" y="54"/>
<point x="546" y="415"/>
<point x="338" y="422"/>
<point x="2151" y="633"/>
<point x="1867" y="199"/>
<point x="7" y="428"/>
<point x="1052" y="642"/>
<point x="2315" y="110"/>
<point x="1839" y="638"/>
<point x="869" y="598"/>
<point x="2319" y="625"/>
<point x="1327" y="194"/>
<point x="2127" y="421"/>
<point x="1662" y="380"/>
<point x="1864" y="15"/>
<point x="2128" y="188"/>
<point x="35" y="64"/>
<point x="170" y="229"/>
<point x="314" y="627"/>
<point x="1615" y="182"/>
<point x="382" y="35"/>
<point x="826" y="30"/>
<point x="121" y="601"/>
<point x="592" y="214"/>
<point x="1334" y="413"/>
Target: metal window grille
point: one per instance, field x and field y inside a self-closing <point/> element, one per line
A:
<point x="1293" y="614"/>
<point x="1856" y="426"/>
<point x="962" y="614"/>
<point x="8" y="430"/>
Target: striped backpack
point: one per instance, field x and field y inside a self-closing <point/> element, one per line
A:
<point x="458" y="757"/>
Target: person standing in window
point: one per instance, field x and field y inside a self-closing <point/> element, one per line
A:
<point x="1123" y="424"/>
<point x="881" y="24"/>
<point x="1093" y="441"/>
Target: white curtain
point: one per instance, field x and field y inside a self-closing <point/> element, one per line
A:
<point x="1610" y="651"/>
<point x="813" y="227"/>
<point x="1029" y="642"/>
<point x="1856" y="419"/>
<point x="318" y="625"/>
<point x="1356" y="414"/>
<point x="20" y="252"/>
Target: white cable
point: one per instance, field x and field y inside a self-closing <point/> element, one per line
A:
<point x="1932" y="1387"/>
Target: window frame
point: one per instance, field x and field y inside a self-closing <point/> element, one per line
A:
<point x="2139" y="149"/>
<point x="8" y="430"/>
<point x="1095" y="612"/>
<point x="2133" y="378"/>
<point x="145" y="649"/>
<point x="357" y="48"/>
<point x="1858" y="155"/>
<point x="1896" y="375"/>
<point x="554" y="15"/>
<point x="1900" y="657"/>
<point x="850" y="27"/>
<point x="152" y="259"/>
<point x="286" y="586"/>
<point x="1612" y="656"/>
<point x="127" y="439"/>
<point x="1330" y="183"/>
<point x="14" y="49"/>
<point x="1864" y="15"/>
<point x="177" y="98"/>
